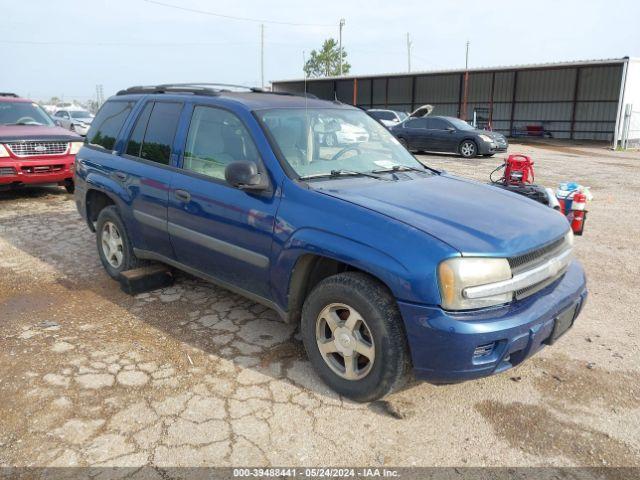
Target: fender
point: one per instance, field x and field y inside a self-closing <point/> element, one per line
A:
<point x="343" y="249"/>
<point x="112" y="189"/>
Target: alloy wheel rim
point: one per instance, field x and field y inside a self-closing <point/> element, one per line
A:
<point x="112" y="244"/>
<point x="468" y="149"/>
<point x="345" y="341"/>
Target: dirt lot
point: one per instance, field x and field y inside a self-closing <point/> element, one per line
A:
<point x="194" y="375"/>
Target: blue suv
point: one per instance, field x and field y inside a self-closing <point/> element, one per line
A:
<point x="388" y="266"/>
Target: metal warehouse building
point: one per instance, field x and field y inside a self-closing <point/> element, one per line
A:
<point x="572" y="100"/>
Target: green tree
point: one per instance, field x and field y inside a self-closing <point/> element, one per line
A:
<point x="326" y="62"/>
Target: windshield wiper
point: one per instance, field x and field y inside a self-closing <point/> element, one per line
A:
<point x="340" y="172"/>
<point x="404" y="168"/>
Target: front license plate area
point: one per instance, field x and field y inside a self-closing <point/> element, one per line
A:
<point x="563" y="323"/>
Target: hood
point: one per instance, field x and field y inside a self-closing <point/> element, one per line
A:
<point x="86" y="120"/>
<point x="490" y="134"/>
<point x="473" y="218"/>
<point x="13" y="133"/>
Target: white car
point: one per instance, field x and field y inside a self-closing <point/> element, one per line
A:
<point x="345" y="134"/>
<point x="77" y="121"/>
<point x="388" y="118"/>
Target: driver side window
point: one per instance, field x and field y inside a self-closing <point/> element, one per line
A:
<point x="216" y="138"/>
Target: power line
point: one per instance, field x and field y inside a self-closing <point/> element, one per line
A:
<point x="234" y="17"/>
<point x="121" y="44"/>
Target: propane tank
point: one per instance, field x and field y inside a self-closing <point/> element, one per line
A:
<point x="579" y="210"/>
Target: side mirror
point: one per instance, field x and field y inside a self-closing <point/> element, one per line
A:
<point x="244" y="176"/>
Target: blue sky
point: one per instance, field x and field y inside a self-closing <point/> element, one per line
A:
<point x="66" y="47"/>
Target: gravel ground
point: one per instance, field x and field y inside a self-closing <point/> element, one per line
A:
<point x="194" y="375"/>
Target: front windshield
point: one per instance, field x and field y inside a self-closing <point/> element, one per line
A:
<point x="460" y="124"/>
<point x="23" y="113"/>
<point x="80" y="114"/>
<point x="318" y="141"/>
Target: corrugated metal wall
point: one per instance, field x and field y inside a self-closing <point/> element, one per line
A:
<point x="578" y="102"/>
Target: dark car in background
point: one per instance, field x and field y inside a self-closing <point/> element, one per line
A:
<point x="448" y="134"/>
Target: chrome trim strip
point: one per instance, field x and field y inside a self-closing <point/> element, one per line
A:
<point x="150" y="220"/>
<point x="220" y="246"/>
<point x="522" y="280"/>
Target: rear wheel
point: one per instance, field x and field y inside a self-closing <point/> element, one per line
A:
<point x="468" y="149"/>
<point x="114" y="247"/>
<point x="354" y="337"/>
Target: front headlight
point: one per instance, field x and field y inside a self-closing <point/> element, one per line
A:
<point x="486" y="138"/>
<point x="568" y="238"/>
<point x="456" y="274"/>
<point x="3" y="151"/>
<point x="75" y="147"/>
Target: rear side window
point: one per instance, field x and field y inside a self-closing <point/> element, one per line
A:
<point x="416" y="123"/>
<point x="135" y="141"/>
<point x="161" y="128"/>
<point x="108" y="123"/>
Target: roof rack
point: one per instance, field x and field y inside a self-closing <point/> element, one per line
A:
<point x="8" y="94"/>
<point x="201" y="88"/>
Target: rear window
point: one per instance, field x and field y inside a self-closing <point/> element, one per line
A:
<point x="384" y="115"/>
<point x="108" y="123"/>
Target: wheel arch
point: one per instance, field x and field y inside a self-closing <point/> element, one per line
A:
<point x="95" y="201"/>
<point x="312" y="260"/>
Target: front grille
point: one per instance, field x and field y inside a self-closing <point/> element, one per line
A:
<point x="531" y="289"/>
<point x="536" y="257"/>
<point x="7" y="171"/>
<point x="38" y="148"/>
<point x="42" y="169"/>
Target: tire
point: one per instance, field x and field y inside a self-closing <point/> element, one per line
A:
<point x="330" y="140"/>
<point x="403" y="142"/>
<point x="70" y="186"/>
<point x="468" y="149"/>
<point x="72" y="128"/>
<point x="380" y="331"/>
<point x="107" y="219"/>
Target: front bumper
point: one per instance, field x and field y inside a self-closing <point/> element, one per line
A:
<point x="486" y="148"/>
<point x="31" y="171"/>
<point x="444" y="345"/>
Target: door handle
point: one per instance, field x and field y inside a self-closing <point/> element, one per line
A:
<point x="120" y="176"/>
<point x="183" y="195"/>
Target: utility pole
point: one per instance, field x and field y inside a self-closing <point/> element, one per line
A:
<point x="262" y="55"/>
<point x="408" y="53"/>
<point x="463" y="113"/>
<point x="340" y="27"/>
<point x="466" y="57"/>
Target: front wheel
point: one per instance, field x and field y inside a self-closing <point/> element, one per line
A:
<point x="468" y="149"/>
<point x="353" y="334"/>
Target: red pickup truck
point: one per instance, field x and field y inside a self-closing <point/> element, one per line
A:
<point x="33" y="150"/>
